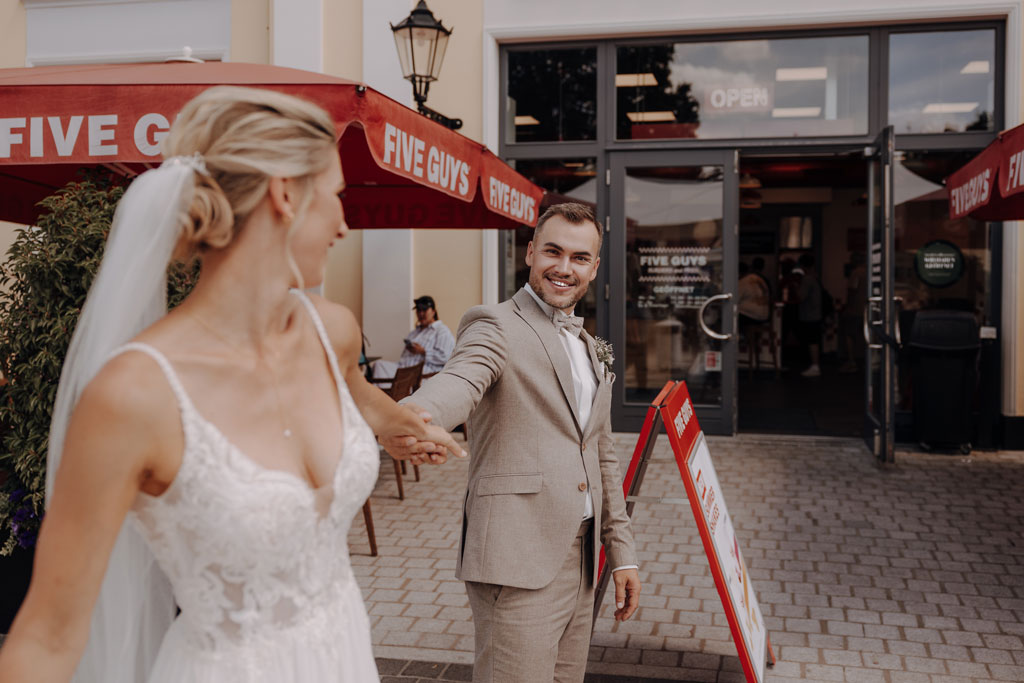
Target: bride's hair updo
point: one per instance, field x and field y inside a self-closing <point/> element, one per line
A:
<point x="245" y="137"/>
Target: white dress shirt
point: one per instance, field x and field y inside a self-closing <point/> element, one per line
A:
<point x="584" y="381"/>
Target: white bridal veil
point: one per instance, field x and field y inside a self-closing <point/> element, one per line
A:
<point x="135" y="606"/>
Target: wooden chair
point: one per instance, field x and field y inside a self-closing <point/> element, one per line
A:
<point x="368" y="518"/>
<point x="405" y="381"/>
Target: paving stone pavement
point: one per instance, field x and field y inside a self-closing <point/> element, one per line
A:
<point x="903" y="575"/>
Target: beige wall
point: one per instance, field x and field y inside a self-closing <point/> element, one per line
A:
<point x="446" y="266"/>
<point x="250" y="31"/>
<point x="12" y="55"/>
<point x="447" y="263"/>
<point x="12" y="34"/>
<point x="343" y="38"/>
<point x="343" y="56"/>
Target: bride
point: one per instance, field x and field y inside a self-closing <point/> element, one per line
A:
<point x="213" y="463"/>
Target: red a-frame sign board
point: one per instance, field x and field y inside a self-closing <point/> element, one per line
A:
<point x="674" y="408"/>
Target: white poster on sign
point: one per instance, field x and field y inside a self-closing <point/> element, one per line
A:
<point x="727" y="551"/>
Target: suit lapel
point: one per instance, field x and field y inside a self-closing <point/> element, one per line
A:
<point x="602" y="393"/>
<point x="529" y="311"/>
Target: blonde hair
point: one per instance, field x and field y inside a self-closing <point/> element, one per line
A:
<point x="246" y="136"/>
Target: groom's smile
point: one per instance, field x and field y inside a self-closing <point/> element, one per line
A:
<point x="563" y="260"/>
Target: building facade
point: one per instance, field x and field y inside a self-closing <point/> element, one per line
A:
<point x="708" y="137"/>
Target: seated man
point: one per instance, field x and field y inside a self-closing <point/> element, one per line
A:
<point x="430" y="342"/>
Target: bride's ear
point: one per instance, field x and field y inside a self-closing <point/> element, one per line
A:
<point x="281" y="199"/>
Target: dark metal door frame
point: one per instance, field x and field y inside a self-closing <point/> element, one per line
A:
<point x="881" y="315"/>
<point x="629" y="416"/>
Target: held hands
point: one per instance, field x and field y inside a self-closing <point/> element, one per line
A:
<point x="627" y="593"/>
<point x="419" y="442"/>
<point x="416" y="348"/>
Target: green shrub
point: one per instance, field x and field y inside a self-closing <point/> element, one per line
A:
<point x="45" y="280"/>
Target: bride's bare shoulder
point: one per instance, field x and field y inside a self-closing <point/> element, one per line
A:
<point x="340" y="323"/>
<point x="131" y="387"/>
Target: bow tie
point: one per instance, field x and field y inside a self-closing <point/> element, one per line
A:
<point x="573" y="324"/>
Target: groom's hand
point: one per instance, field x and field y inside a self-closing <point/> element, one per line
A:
<point x="432" y="446"/>
<point x="627" y="593"/>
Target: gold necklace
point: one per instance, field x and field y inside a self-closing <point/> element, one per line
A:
<point x="287" y="431"/>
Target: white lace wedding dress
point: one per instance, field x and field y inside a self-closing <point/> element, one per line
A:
<point x="259" y="560"/>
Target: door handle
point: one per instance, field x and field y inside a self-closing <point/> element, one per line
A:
<point x="700" y="316"/>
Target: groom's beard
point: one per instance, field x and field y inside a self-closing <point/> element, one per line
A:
<point x="567" y="300"/>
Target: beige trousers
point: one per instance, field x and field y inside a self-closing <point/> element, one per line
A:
<point x="534" y="636"/>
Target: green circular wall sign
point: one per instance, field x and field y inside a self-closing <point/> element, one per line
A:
<point x="939" y="263"/>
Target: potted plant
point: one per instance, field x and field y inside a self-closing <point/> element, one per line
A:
<point x="43" y="285"/>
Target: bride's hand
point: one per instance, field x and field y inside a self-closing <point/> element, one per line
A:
<point x="419" y="442"/>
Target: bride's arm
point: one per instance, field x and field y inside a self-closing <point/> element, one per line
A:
<point x="387" y="419"/>
<point x="111" y="451"/>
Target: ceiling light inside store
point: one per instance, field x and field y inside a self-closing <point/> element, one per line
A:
<point x="980" y="66"/>
<point x="651" y="116"/>
<point x="573" y="164"/>
<point x="809" y="73"/>
<point x="949" y="108"/>
<point x="635" y="80"/>
<point x="795" y="112"/>
<point x="527" y="120"/>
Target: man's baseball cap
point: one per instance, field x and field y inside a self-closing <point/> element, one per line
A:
<point x="423" y="303"/>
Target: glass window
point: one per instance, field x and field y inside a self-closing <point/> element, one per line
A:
<point x="743" y="88"/>
<point x="922" y="223"/>
<point x="673" y="264"/>
<point x="942" y="81"/>
<point x="566" y="180"/>
<point x="552" y="95"/>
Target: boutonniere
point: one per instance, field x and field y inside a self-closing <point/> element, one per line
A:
<point x="603" y="350"/>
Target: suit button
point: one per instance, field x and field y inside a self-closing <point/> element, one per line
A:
<point x="583" y="486"/>
<point x="584" y="446"/>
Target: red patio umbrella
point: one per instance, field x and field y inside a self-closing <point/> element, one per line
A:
<point x="990" y="187"/>
<point x="402" y="169"/>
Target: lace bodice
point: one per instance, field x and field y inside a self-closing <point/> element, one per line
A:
<point x="253" y="553"/>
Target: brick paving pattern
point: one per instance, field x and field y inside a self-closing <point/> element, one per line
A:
<point x="905" y="575"/>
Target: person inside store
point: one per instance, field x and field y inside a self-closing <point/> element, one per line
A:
<point x="430" y="343"/>
<point x="210" y="459"/>
<point x="544" y="491"/>
<point x="852" y="317"/>
<point x="809" y="309"/>
<point x="753" y="306"/>
<point x="789" y="294"/>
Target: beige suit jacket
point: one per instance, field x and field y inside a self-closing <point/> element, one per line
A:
<point x="531" y="460"/>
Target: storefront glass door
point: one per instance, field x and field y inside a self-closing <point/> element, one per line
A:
<point x="881" y="315"/>
<point x="672" y="279"/>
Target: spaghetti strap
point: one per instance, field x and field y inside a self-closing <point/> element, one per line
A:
<point x="324" y="339"/>
<point x="184" y="403"/>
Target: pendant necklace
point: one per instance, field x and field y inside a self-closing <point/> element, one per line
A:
<point x="287" y="431"/>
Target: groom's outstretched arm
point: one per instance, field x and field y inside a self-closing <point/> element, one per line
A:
<point x="479" y="358"/>
<point x="481" y="351"/>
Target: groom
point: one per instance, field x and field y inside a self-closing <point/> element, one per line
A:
<point x="544" y="487"/>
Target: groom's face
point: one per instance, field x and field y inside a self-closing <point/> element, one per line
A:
<point x="563" y="260"/>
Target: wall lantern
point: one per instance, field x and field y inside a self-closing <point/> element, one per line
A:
<point x="421" y="41"/>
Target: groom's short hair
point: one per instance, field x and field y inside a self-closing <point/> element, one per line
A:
<point x="576" y="214"/>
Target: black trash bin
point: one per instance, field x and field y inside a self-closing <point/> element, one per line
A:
<point x="944" y="368"/>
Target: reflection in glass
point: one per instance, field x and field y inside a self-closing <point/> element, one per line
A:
<point x="552" y="95"/>
<point x="922" y="216"/>
<point x="743" y="88"/>
<point x="566" y="180"/>
<point x="673" y="264"/>
<point x="942" y="81"/>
